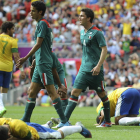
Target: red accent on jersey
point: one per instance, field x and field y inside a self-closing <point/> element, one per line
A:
<point x="46" y="22"/>
<point x="95" y="28"/>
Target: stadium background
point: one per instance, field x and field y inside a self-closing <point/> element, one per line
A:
<point x="119" y="21"/>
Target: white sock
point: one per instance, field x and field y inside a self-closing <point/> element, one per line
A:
<point x="129" y="120"/>
<point x="68" y="130"/>
<point x="1" y="101"/>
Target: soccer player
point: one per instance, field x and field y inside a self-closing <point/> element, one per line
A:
<point x="91" y="71"/>
<point x="56" y="65"/>
<point x="124" y="105"/>
<point x="44" y="63"/>
<point x="8" y="48"/>
<point x="14" y="129"/>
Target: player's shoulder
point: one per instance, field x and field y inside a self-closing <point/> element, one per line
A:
<point x="44" y="22"/>
<point x="94" y="28"/>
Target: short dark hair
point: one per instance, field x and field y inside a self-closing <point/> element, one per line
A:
<point x="40" y="6"/>
<point x="7" y="25"/>
<point x="89" y="13"/>
<point x="98" y="119"/>
<point x="3" y="133"/>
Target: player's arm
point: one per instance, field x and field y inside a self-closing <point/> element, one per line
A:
<point x="16" y="56"/>
<point x="101" y="41"/>
<point x="32" y="51"/>
<point x="62" y="88"/>
<point x="32" y="67"/>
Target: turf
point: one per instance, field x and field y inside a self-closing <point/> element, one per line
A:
<point x="86" y="115"/>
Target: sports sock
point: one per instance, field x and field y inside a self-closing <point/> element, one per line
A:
<point x="30" y="104"/>
<point x="68" y="130"/>
<point x="58" y="107"/>
<point x="64" y="102"/>
<point x="73" y="100"/>
<point x="129" y="120"/>
<point x="1" y="101"/>
<point x="106" y="104"/>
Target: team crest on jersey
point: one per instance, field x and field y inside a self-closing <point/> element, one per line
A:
<point x="89" y="37"/>
<point x="90" y="33"/>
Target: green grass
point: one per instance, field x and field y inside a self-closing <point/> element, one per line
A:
<point x="86" y="115"/>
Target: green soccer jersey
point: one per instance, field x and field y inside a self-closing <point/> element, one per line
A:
<point x="43" y="54"/>
<point x="92" y="41"/>
<point x="56" y="63"/>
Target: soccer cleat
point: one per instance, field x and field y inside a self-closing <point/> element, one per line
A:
<point x="62" y="124"/>
<point x="49" y="124"/>
<point x="2" y="112"/>
<point x="85" y="132"/>
<point x="55" y="120"/>
<point x="105" y="124"/>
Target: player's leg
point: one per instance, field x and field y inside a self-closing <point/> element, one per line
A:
<point x="5" y="78"/>
<point x="78" y="128"/>
<point x="99" y="86"/>
<point x="46" y="77"/>
<point x="79" y="85"/>
<point x="31" y="101"/>
<point x="133" y="98"/>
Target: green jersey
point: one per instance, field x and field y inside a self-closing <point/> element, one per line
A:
<point x="56" y="63"/>
<point x="92" y="41"/>
<point x="43" y="54"/>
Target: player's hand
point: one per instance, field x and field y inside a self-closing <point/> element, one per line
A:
<point x="95" y="70"/>
<point x="20" y="62"/>
<point x="33" y="65"/>
<point x="62" y="89"/>
<point x="23" y="75"/>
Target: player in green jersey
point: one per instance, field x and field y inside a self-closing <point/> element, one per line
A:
<point x="44" y="63"/>
<point x="91" y="71"/>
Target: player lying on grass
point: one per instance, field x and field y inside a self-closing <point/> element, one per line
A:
<point x="124" y="105"/>
<point x="14" y="129"/>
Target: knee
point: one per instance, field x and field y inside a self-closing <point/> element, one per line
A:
<point x="31" y="93"/>
<point x="75" y="92"/>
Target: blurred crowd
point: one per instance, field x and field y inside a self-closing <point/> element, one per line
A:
<point x="119" y="21"/>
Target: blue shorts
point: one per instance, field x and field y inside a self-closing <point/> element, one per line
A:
<point x="40" y="128"/>
<point x="128" y="103"/>
<point x="5" y="78"/>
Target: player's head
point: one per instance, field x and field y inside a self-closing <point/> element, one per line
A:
<point x="99" y="115"/>
<point x="8" y="28"/>
<point x="86" y="15"/>
<point x="38" y="9"/>
<point x="98" y="119"/>
<point x="4" y="132"/>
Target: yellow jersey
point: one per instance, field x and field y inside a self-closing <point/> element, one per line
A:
<point x="127" y="28"/>
<point x="8" y="45"/>
<point x="20" y="129"/>
<point x="113" y="98"/>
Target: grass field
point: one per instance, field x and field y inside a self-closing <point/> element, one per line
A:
<point x="86" y="115"/>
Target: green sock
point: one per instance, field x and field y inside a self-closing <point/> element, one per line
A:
<point x="106" y="104"/>
<point x="30" y="104"/>
<point x="73" y="100"/>
<point x="58" y="107"/>
<point x="64" y="102"/>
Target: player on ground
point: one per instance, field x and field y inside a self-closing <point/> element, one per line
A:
<point x="91" y="71"/>
<point x="17" y="129"/>
<point x="8" y="48"/>
<point x="124" y="105"/>
<point x="44" y="63"/>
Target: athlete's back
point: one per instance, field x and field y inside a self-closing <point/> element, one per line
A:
<point x="7" y="46"/>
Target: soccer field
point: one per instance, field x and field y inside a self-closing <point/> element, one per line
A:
<point x="86" y="115"/>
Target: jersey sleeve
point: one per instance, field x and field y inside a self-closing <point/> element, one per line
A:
<point x="42" y="29"/>
<point x="100" y="39"/>
<point x="14" y="47"/>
